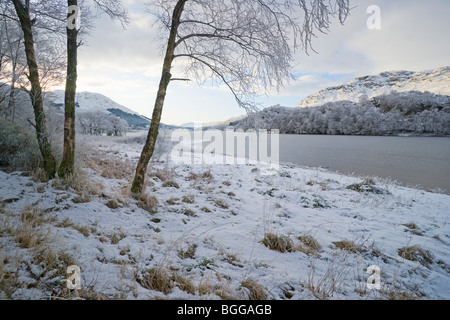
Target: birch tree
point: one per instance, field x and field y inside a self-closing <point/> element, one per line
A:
<point x="246" y="45"/>
<point x="23" y="13"/>
<point x="115" y="10"/>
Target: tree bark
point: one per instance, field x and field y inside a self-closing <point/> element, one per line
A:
<point x="12" y="100"/>
<point x="35" y="92"/>
<point x="147" y="152"/>
<point x="67" y="165"/>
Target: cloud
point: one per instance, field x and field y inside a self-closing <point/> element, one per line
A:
<point x="413" y="36"/>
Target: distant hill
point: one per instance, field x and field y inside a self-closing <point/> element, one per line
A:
<point x="98" y="103"/>
<point x="435" y="81"/>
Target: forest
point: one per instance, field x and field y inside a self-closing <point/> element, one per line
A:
<point x="411" y="113"/>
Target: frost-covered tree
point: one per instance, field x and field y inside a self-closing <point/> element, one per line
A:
<point x="389" y="114"/>
<point x="246" y="45"/>
<point x="116" y="126"/>
<point x="12" y="63"/>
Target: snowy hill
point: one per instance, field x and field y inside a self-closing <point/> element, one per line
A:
<point x="98" y="103"/>
<point x="435" y="81"/>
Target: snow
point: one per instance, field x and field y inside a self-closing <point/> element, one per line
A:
<point x="90" y="102"/>
<point x="295" y="201"/>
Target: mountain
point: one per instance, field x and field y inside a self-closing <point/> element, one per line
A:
<point x="434" y="81"/>
<point x="89" y="102"/>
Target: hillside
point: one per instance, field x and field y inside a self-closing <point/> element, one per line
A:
<point x="434" y="81"/>
<point x="97" y="103"/>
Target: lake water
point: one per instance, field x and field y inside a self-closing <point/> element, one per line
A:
<point x="417" y="161"/>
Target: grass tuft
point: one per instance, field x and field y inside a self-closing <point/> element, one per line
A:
<point x="280" y="243"/>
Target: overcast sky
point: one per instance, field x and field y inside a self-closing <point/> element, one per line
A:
<point x="125" y="65"/>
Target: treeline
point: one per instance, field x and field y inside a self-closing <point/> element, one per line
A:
<point x="413" y="112"/>
<point x="95" y="123"/>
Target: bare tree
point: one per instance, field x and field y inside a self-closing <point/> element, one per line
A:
<point x="246" y="45"/>
<point x="13" y="43"/>
<point x="22" y="10"/>
<point x="12" y="62"/>
<point x="115" y="10"/>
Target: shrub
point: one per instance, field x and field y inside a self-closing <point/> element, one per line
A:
<point x="19" y="150"/>
<point x="367" y="186"/>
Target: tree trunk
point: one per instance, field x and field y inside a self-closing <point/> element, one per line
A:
<point x="147" y="152"/>
<point x="35" y="93"/>
<point x="12" y="100"/>
<point x="67" y="165"/>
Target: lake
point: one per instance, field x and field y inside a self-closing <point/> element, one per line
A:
<point x="423" y="162"/>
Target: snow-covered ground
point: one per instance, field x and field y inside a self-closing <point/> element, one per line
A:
<point x="214" y="233"/>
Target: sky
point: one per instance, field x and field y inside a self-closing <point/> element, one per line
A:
<point x="125" y="64"/>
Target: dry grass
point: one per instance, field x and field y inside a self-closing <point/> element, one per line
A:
<point x="184" y="284"/>
<point x="230" y="258"/>
<point x="173" y="201"/>
<point x="146" y="201"/>
<point x="255" y="290"/>
<point x="221" y="204"/>
<point x="170" y="184"/>
<point x="112" y="204"/>
<point x="280" y="243"/>
<point x="32" y="232"/>
<point x="308" y="245"/>
<point x="54" y="261"/>
<point x="84" y="230"/>
<point x="188" y="199"/>
<point x="416" y="253"/>
<point x="42" y="265"/>
<point x="81" y="183"/>
<point x="189" y="253"/>
<point x="163" y="174"/>
<point x="349" y="245"/>
<point x="117" y="236"/>
<point x="111" y="167"/>
<point x="413" y="228"/>
<point x="200" y="177"/>
<point x="325" y="286"/>
<point x="35" y="216"/>
<point x="156" y="279"/>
